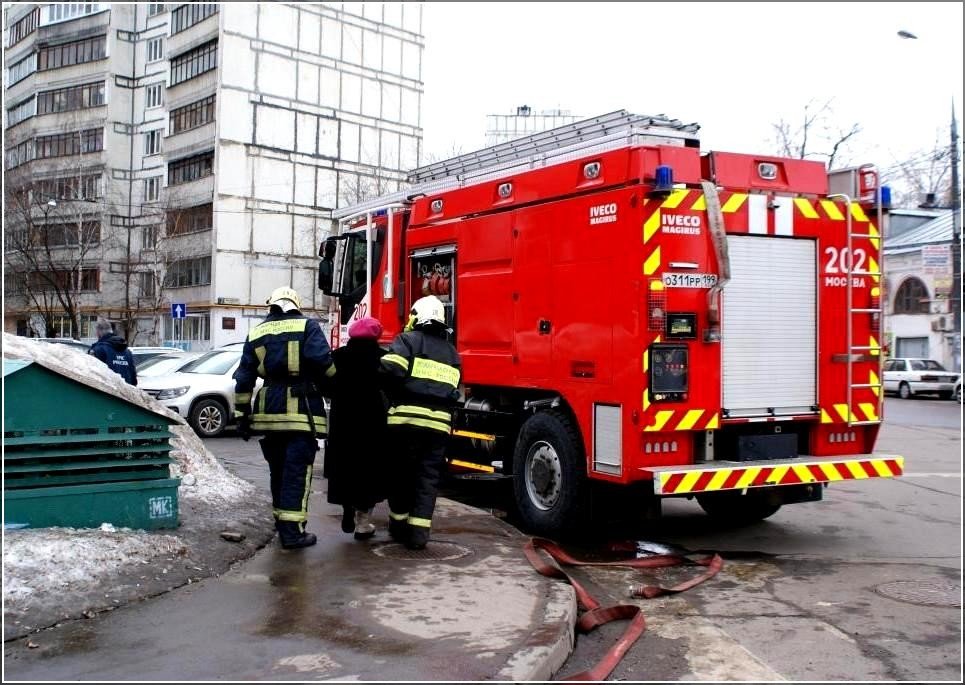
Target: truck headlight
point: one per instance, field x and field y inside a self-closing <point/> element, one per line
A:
<point x="171" y="393"/>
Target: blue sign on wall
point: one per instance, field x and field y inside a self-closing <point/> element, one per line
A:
<point x="178" y="310"/>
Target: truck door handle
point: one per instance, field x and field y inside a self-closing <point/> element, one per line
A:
<point x="544" y="326"/>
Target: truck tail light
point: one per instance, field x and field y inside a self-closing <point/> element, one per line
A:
<point x="876" y="304"/>
<point x="656" y="305"/>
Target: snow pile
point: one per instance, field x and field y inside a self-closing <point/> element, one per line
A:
<point x="74" y="559"/>
<point x="210" y="481"/>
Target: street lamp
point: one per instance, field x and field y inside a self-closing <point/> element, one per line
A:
<point x="956" y="294"/>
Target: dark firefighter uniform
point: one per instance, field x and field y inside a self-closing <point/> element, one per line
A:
<point x="290" y="352"/>
<point x="423" y="370"/>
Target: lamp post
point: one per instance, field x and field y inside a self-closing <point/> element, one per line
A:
<point x="955" y="301"/>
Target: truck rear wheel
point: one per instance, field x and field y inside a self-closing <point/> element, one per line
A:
<point x="732" y="507"/>
<point x="549" y="474"/>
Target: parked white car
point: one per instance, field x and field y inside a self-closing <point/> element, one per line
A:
<point x="202" y="391"/>
<point x="909" y="377"/>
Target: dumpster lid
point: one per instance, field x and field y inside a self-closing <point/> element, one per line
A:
<point x="13" y="365"/>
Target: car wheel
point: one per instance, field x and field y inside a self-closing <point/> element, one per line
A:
<point x="904" y="391"/>
<point x="958" y="394"/>
<point x="209" y="418"/>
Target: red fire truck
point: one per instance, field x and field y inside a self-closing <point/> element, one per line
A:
<point x="636" y="314"/>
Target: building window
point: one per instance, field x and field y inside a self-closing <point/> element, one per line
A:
<point x="152" y="142"/>
<point x="186" y="16"/>
<point x="22" y="69"/>
<point x="152" y="95"/>
<point x="20" y="154"/>
<point x="188" y="272"/>
<point x="68" y="144"/>
<point x="147" y="283"/>
<point x="21" y="111"/>
<point x="155" y="8"/>
<point x="68" y="54"/>
<point x="69" y="234"/>
<point x="194" y="62"/>
<point x="149" y="236"/>
<point x="912" y="298"/>
<point x="82" y="280"/>
<point x="85" y="187"/>
<point x="194" y="327"/>
<point x="152" y="189"/>
<point x="66" y="11"/>
<point x="190" y="220"/>
<point x="192" y="115"/>
<point x="155" y="49"/>
<point x="190" y="168"/>
<point x="24" y="27"/>
<point x="69" y="99"/>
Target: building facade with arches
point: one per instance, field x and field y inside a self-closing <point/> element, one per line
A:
<point x="919" y="318"/>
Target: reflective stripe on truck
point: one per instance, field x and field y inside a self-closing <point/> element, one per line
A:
<point x="732" y="475"/>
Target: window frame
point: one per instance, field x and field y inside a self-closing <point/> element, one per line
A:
<point x="152" y="142"/>
<point x="152" y="183"/>
<point x="193" y="63"/>
<point x="153" y="88"/>
<point x="154" y="45"/>
<point x="912" y="297"/>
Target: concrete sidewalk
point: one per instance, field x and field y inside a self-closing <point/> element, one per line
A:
<point x="469" y="607"/>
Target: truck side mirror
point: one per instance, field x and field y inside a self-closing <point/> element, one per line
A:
<point x="326" y="270"/>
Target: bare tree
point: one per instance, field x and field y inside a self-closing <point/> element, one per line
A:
<point x="815" y="135"/>
<point x="54" y="244"/>
<point x="923" y="178"/>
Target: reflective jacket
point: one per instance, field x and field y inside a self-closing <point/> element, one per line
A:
<point x="290" y="352"/>
<point x="424" y="372"/>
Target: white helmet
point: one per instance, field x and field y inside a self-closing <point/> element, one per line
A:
<point x="428" y="309"/>
<point x="280" y="295"/>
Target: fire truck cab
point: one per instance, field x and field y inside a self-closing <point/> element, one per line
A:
<point x="637" y="315"/>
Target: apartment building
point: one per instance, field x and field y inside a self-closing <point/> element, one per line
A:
<point x="192" y="154"/>
<point x="501" y="128"/>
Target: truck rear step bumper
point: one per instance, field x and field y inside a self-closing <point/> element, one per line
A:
<point x="739" y="475"/>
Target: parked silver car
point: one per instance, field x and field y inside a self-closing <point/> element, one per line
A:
<point x="166" y="363"/>
<point x="909" y="377"/>
<point x="202" y="391"/>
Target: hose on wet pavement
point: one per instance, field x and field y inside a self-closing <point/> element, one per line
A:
<point x="595" y="615"/>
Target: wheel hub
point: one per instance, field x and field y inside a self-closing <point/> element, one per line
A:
<point x="543" y="475"/>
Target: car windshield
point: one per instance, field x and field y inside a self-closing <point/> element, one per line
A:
<point x="158" y="366"/>
<point x="926" y="365"/>
<point x="216" y="361"/>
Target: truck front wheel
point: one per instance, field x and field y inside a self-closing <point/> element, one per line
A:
<point x="733" y="508"/>
<point x="549" y="474"/>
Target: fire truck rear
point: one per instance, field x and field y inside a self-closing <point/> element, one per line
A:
<point x="636" y="316"/>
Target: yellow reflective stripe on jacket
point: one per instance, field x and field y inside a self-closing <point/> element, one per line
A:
<point x="260" y="353"/>
<point x="320" y="427"/>
<point x="277" y="327"/>
<point x="435" y="371"/>
<point x="330" y="371"/>
<point x="424" y="423"/>
<point x="293" y="357"/>
<point x="397" y="517"/>
<point x="397" y="359"/>
<point x="421" y="411"/>
<point x="422" y="523"/>
<point x="242" y="398"/>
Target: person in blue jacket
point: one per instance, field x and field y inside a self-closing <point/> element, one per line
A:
<point x="112" y="350"/>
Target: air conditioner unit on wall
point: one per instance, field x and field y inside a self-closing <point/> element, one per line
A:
<point x="941" y="324"/>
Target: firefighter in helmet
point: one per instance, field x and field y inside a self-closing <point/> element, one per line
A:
<point x="290" y="352"/>
<point x="422" y="370"/>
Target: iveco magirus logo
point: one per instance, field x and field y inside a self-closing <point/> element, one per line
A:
<point x="603" y="214"/>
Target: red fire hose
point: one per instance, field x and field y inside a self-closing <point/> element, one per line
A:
<point x="594" y="615"/>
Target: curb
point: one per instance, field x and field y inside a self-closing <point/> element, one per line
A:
<point x="549" y="647"/>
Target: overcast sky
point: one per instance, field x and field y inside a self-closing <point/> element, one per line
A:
<point x="734" y="68"/>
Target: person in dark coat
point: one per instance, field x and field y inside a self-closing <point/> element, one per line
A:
<point x="355" y="450"/>
<point x="112" y="350"/>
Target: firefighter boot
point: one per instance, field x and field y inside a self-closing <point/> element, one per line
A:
<point x="418" y="537"/>
<point x="398" y="529"/>
<point x="348" y="519"/>
<point x="364" y="528"/>
<point x="293" y="537"/>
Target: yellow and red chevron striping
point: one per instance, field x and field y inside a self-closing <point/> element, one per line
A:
<point x="686" y="481"/>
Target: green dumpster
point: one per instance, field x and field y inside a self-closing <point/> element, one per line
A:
<point x="76" y="456"/>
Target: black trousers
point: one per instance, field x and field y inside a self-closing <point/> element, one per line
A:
<point x="290" y="457"/>
<point x="415" y="472"/>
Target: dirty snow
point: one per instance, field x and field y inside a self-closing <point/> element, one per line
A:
<point x="46" y="560"/>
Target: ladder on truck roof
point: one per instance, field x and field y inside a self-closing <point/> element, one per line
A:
<point x="581" y="138"/>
